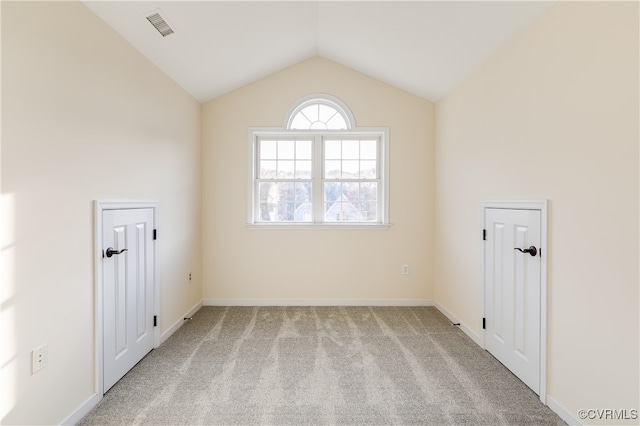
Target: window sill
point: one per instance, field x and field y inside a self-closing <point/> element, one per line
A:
<point x="318" y="226"/>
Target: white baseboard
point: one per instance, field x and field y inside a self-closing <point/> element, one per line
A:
<point x="91" y="403"/>
<point x="473" y="336"/>
<point x="83" y="410"/>
<point x="562" y="412"/>
<point x="176" y="325"/>
<point x="317" y="302"/>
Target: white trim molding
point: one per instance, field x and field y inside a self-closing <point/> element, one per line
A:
<point x="540" y="205"/>
<point x="562" y="412"/>
<point x="454" y="320"/>
<point x="176" y="325"/>
<point x="318" y="302"/>
<point x="84" y="409"/>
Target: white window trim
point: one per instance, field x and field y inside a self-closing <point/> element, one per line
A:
<point x="381" y="132"/>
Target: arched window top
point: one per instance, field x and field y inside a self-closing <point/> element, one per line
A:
<point x="320" y="112"/>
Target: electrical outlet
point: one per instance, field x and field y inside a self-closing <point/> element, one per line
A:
<point x="39" y="359"/>
<point x="189" y="276"/>
<point x="405" y="269"/>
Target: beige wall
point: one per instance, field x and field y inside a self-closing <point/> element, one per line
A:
<point x="555" y="115"/>
<point x="84" y="117"/>
<point x="292" y="264"/>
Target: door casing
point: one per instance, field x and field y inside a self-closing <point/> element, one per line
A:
<point x="99" y="207"/>
<point x="542" y="206"/>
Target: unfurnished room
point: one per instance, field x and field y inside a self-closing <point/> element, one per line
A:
<point x="320" y="212"/>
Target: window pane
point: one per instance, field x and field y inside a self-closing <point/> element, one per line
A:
<point x="332" y="169"/>
<point x="286" y="191"/>
<point x="369" y="212"/>
<point x="351" y="150"/>
<point x="332" y="212"/>
<point x="303" y="169"/>
<point x="265" y="214"/>
<point x="351" y="191"/>
<point x="285" y="169"/>
<point x="303" y="191"/>
<point x="300" y="122"/>
<point x="303" y="150"/>
<point x="350" y="169"/>
<point x="332" y="150"/>
<point x="286" y="212"/>
<point x="337" y="122"/>
<point x="369" y="191"/>
<point x="286" y="150"/>
<point x="268" y="192"/>
<point x="268" y="150"/>
<point x="311" y="112"/>
<point x="326" y="112"/>
<point x="274" y="192"/>
<point x="268" y="206"/>
<point x="342" y="211"/>
<point x="285" y="202"/>
<point x="368" y="150"/>
<point x="332" y="191"/>
<point x="368" y="169"/>
<point x="267" y="169"/>
<point x="318" y="125"/>
<point x="304" y="212"/>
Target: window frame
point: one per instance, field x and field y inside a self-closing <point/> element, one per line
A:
<point x="317" y="179"/>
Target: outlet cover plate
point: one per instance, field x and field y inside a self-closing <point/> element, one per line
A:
<point x="39" y="359"/>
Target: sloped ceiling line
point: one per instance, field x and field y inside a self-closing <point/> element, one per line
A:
<point x="423" y="47"/>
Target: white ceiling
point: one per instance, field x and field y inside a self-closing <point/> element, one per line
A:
<point x="423" y="47"/>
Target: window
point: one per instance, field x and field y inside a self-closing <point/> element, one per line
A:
<point x="319" y="170"/>
<point x="319" y="114"/>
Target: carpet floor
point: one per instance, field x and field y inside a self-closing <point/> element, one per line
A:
<point x="320" y="366"/>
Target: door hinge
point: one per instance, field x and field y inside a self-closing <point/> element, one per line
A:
<point x="155" y="320"/>
<point x="484" y="235"/>
<point x="484" y="323"/>
<point x="155" y="234"/>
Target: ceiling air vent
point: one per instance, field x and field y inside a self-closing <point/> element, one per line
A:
<point x="160" y="24"/>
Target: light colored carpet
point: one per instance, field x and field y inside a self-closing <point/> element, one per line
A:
<point x="320" y="366"/>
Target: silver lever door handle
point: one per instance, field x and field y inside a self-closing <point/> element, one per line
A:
<point x="110" y="251"/>
<point x="533" y="251"/>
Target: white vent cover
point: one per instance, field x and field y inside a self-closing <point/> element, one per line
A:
<point x="160" y="24"/>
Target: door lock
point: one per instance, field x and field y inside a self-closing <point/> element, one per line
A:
<point x="533" y="251"/>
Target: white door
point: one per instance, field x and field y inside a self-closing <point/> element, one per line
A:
<point x="513" y="291"/>
<point x="127" y="290"/>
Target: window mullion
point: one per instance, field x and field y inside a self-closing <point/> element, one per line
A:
<point x="318" y="181"/>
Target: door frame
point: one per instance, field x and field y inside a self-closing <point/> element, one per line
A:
<point x="540" y="205"/>
<point x="99" y="207"/>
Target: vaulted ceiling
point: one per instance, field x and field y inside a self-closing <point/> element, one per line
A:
<point x="423" y="47"/>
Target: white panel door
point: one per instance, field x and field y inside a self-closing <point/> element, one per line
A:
<point x="127" y="290"/>
<point x="512" y="291"/>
